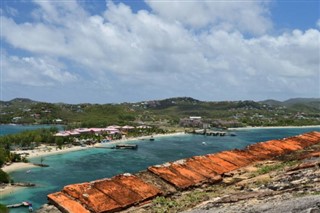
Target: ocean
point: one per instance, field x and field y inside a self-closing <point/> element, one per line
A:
<point x="93" y="163"/>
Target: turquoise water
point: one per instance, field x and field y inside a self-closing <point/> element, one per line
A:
<point x="13" y="129"/>
<point x="93" y="163"/>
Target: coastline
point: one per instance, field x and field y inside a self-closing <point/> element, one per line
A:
<point x="8" y="189"/>
<point x="272" y="127"/>
<point x="50" y="150"/>
<point x="43" y="150"/>
<point x="147" y="137"/>
<point x="17" y="166"/>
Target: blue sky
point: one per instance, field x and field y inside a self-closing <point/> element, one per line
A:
<point x="126" y="51"/>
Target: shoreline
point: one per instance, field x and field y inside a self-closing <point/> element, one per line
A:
<point x="44" y="151"/>
<point x="272" y="127"/>
<point x="8" y="189"/>
<point x="17" y="166"/>
<point x="147" y="137"/>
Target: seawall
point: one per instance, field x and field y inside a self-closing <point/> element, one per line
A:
<point x="123" y="191"/>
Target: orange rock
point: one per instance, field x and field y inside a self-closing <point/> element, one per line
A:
<point x="205" y="160"/>
<point x="91" y="197"/>
<point x="118" y="192"/>
<point x="146" y="191"/>
<point x="285" y="146"/>
<point x="291" y="144"/>
<point x="274" y="149"/>
<point x="258" y="151"/>
<point x="192" y="175"/>
<point x="172" y="176"/>
<point x="246" y="155"/>
<point x="200" y="168"/>
<point x="233" y="158"/>
<point x="65" y="204"/>
<point x="223" y="163"/>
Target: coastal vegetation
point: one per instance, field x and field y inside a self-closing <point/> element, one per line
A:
<point x="165" y="113"/>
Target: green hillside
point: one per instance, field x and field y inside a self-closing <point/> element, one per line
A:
<point x="167" y="112"/>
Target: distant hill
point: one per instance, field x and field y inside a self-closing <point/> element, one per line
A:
<point x="295" y="103"/>
<point x="296" y="111"/>
<point x="271" y="102"/>
<point x="305" y="101"/>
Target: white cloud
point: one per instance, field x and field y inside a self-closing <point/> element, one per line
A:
<point x="246" y="16"/>
<point x="144" y="54"/>
<point x="34" y="71"/>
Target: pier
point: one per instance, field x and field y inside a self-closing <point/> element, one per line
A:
<point x="17" y="205"/>
<point x="208" y="132"/>
<point x="126" y="146"/>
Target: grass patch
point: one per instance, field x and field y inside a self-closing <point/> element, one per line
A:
<point x="162" y="204"/>
<point x="184" y="201"/>
<point x="275" y="167"/>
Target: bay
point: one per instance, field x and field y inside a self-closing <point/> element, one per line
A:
<point x="92" y="164"/>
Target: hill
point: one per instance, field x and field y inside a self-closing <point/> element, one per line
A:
<point x="167" y="112"/>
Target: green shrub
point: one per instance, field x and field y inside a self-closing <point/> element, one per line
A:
<point x="4" y="177"/>
<point x="3" y="209"/>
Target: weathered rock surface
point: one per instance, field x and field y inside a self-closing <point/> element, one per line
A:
<point x="295" y="190"/>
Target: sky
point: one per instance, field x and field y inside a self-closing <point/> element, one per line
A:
<point x="96" y="51"/>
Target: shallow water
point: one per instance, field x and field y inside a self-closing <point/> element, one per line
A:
<point x="92" y="164"/>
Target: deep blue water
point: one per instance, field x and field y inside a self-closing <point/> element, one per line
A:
<point x="93" y="163"/>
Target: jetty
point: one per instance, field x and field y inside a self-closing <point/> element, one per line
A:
<point x="17" y="205"/>
<point x="41" y="164"/>
<point x="120" y="146"/>
<point x="208" y="132"/>
<point x="24" y="184"/>
<point x="126" y="146"/>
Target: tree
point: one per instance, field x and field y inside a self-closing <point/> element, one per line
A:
<point x="3" y="156"/>
<point x="4" y="177"/>
<point x="3" y="209"/>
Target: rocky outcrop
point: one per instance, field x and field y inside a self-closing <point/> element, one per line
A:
<point x="106" y="195"/>
<point x="123" y="191"/>
<point x="294" y="189"/>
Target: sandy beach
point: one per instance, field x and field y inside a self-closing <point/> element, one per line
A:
<point x="44" y="150"/>
<point x="17" y="166"/>
<point x="141" y="138"/>
<point x="8" y="189"/>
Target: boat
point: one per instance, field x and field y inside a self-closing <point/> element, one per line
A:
<point x="151" y="138"/>
<point x="126" y="146"/>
